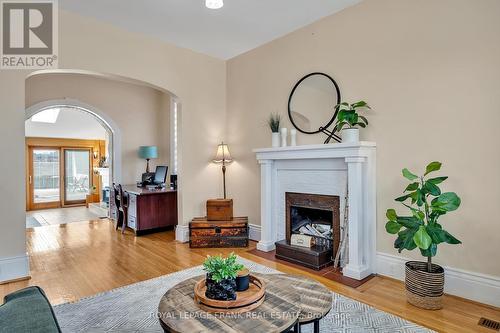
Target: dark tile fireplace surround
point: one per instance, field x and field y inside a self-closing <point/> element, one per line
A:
<point x="314" y="215"/>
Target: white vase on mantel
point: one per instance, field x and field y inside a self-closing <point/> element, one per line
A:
<point x="350" y="135"/>
<point x="275" y="139"/>
<point x="293" y="137"/>
<point x="284" y="135"/>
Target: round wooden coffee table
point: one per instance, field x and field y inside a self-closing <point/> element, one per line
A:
<point x="291" y="301"/>
<point x="279" y="312"/>
<point x="315" y="298"/>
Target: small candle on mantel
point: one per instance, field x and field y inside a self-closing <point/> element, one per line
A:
<point x="283" y="137"/>
<point x="293" y="137"/>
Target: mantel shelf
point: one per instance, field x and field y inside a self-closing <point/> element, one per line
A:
<point x="317" y="147"/>
<point x="319" y="151"/>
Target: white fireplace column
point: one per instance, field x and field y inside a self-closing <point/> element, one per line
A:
<point x="356" y="268"/>
<point x="268" y="230"/>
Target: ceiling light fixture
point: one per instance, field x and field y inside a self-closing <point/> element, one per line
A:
<point x="214" y="4"/>
<point x="46" y="116"/>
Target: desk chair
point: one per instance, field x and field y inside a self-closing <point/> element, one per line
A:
<point x="121" y="204"/>
<point x="124" y="205"/>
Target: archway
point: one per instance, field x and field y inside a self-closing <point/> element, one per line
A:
<point x="72" y="159"/>
<point x="108" y="123"/>
<point x="99" y="94"/>
<point x="120" y="174"/>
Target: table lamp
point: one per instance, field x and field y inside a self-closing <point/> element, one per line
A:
<point x="223" y="156"/>
<point x="147" y="153"/>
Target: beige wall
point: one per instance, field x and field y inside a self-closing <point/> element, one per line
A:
<point x="197" y="80"/>
<point x="12" y="174"/>
<point x="141" y="113"/>
<point x="431" y="71"/>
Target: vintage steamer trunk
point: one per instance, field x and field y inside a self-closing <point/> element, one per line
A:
<point x="205" y="233"/>
<point x="220" y="209"/>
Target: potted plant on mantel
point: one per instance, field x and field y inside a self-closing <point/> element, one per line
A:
<point x="274" y="124"/>
<point x="221" y="277"/>
<point x="424" y="281"/>
<point x="347" y="115"/>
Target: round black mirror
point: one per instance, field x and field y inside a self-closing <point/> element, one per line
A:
<point x="311" y="105"/>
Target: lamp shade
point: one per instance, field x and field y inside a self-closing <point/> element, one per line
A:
<point x="148" y="152"/>
<point x="222" y="154"/>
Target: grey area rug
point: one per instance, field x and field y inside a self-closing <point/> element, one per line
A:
<point x="133" y="308"/>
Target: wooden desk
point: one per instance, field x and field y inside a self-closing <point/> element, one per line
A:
<point x="150" y="210"/>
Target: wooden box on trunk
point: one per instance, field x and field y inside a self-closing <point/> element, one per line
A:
<point x="231" y="233"/>
<point x="220" y="209"/>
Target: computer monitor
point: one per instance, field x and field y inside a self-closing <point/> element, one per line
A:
<point x="160" y="174"/>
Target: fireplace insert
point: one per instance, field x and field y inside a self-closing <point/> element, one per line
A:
<point x="314" y="215"/>
<point x="317" y="223"/>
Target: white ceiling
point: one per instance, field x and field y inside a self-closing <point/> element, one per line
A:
<point x="70" y="124"/>
<point x="239" y="26"/>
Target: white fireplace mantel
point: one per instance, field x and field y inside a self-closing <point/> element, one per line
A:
<point x="323" y="169"/>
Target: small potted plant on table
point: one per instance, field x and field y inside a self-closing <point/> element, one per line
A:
<point x="347" y="115"/>
<point x="221" y="277"/>
<point x="242" y="279"/>
<point x="424" y="281"/>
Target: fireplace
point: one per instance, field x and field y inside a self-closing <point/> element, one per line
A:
<point x="343" y="169"/>
<point x="314" y="215"/>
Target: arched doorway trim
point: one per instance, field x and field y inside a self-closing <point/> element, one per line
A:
<point x="109" y="76"/>
<point x="101" y="117"/>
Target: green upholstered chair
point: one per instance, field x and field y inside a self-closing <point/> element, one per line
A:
<point x="28" y="310"/>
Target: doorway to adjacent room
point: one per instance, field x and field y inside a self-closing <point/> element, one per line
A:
<point x="68" y="166"/>
<point x="59" y="176"/>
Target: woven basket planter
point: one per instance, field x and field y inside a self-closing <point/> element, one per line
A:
<point x="424" y="289"/>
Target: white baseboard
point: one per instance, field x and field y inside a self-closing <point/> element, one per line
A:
<point x="14" y="268"/>
<point x="254" y="232"/>
<point x="182" y="233"/>
<point x="479" y="287"/>
<point x="266" y="246"/>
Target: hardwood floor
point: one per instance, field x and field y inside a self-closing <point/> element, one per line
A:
<point x="84" y="258"/>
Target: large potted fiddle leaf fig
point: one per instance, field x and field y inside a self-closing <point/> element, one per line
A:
<point x="420" y="229"/>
